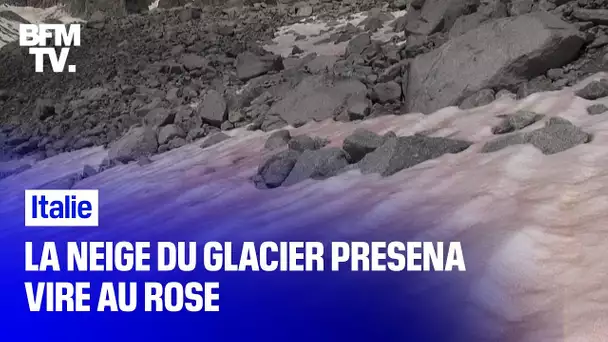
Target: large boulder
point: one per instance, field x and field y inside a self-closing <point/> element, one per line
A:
<point x="500" y="53"/>
<point x="250" y="65"/>
<point x="318" y="98"/>
<point x="138" y="142"/>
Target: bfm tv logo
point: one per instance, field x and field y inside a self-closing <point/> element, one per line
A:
<point x="61" y="208"/>
<point x="35" y="36"/>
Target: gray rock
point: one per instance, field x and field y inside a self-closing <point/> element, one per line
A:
<point x="277" y="140"/>
<point x="159" y="117"/>
<point x="558" y="135"/>
<point x="250" y="65"/>
<point x="401" y="153"/>
<point x="388" y="92"/>
<point x="358" y="44"/>
<point x="303" y="142"/>
<point x="88" y="171"/>
<point x="359" y="110"/>
<point x="360" y="143"/>
<point x="516" y="121"/>
<point x="596" y="16"/>
<point x="194" y="62"/>
<point x="597" y="109"/>
<point x="317" y="164"/>
<point x="502" y="142"/>
<point x="213" y="109"/>
<point x="438" y="15"/>
<point x="138" y="141"/>
<point x="167" y="133"/>
<point x="594" y="90"/>
<point x="215" y="139"/>
<point x="477" y="59"/>
<point x="480" y="98"/>
<point x="318" y="98"/>
<point x="273" y="172"/>
<point x="44" y="108"/>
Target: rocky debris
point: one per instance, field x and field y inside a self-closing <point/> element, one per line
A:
<point x="594" y="90"/>
<point x="386" y="92"/>
<point x="447" y="75"/>
<point x="596" y="16"/>
<point x="198" y="67"/>
<point x="213" y="109"/>
<point x="303" y="142"/>
<point x="480" y="98"/>
<point x="215" y="139"/>
<point x="516" y="121"/>
<point x="361" y="142"/>
<point x="597" y="109"/>
<point x="398" y="153"/>
<point x="317" y="164"/>
<point x="558" y="135"/>
<point x="318" y="98"/>
<point x="273" y="172"/>
<point x="88" y="171"/>
<point x="138" y="141"/>
<point x="278" y="140"/>
<point x="249" y="65"/>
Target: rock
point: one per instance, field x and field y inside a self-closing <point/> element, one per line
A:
<point x="358" y="110"/>
<point x="516" y="121"/>
<point x="192" y="61"/>
<point x="213" y="109"/>
<point x="480" y="98"/>
<point x="360" y="143"/>
<point x="215" y="139"/>
<point x="97" y="20"/>
<point x="303" y="10"/>
<point x="594" y="90"/>
<point x="277" y="140"/>
<point x="317" y="98"/>
<point x="502" y="142"/>
<point x="167" y="133"/>
<point x="44" y="109"/>
<point x="401" y="153"/>
<point x="596" y="16"/>
<point x="144" y="160"/>
<point x="597" y="109"/>
<point x="303" y="142"/>
<point x="388" y="92"/>
<point x="440" y="15"/>
<point x="275" y="170"/>
<point x="159" y="117"/>
<point x="358" y="44"/>
<point x="138" y="141"/>
<point x="444" y="77"/>
<point x="558" y="135"/>
<point x="88" y="171"/>
<point x="250" y="65"/>
<point x="4" y="95"/>
<point x="317" y="164"/>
